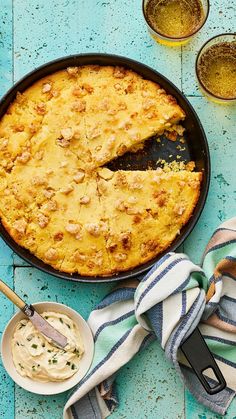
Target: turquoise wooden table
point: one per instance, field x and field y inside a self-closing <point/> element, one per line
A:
<point x="33" y="32"/>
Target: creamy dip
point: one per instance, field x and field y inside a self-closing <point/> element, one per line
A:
<point x="35" y="357"/>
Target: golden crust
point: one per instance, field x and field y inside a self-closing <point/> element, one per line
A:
<point x="57" y="201"/>
<point x="146" y="212"/>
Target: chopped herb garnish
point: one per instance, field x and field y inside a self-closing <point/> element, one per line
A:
<point x="68" y="326"/>
<point x="34" y="346"/>
<point x="54" y="361"/>
<point x="46" y="317"/>
<point x="68" y="363"/>
<point x="49" y="361"/>
<point x="77" y="352"/>
<point x="73" y="366"/>
<point x="43" y="345"/>
<point x="49" y="350"/>
<point x="33" y="367"/>
<point x="61" y="320"/>
<point x="21" y="366"/>
<point x="38" y="365"/>
<point x="17" y="343"/>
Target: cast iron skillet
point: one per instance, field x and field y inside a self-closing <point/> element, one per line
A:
<point x="195" y="148"/>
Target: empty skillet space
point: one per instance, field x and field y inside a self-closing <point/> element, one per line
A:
<point x="195" y="148"/>
<point x="153" y="153"/>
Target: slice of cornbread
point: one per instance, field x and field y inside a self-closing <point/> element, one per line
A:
<point x="96" y="112"/>
<point x="123" y="110"/>
<point x="146" y="211"/>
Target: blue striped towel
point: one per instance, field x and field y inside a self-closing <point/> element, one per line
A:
<point x="167" y="304"/>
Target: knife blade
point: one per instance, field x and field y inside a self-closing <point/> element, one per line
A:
<point x="45" y="327"/>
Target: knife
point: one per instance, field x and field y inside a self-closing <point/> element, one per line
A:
<point x="38" y="321"/>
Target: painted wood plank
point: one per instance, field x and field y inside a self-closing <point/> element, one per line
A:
<point x="119" y="28"/>
<point x="114" y="27"/>
<point x="18" y="261"/>
<point x="36" y="286"/>
<point x="6" y="254"/>
<point x="221" y="19"/>
<point x="6" y="274"/>
<point x="149" y="388"/>
<point x="6" y="383"/>
<point x="5" y="46"/>
<point x="194" y="410"/>
<point x="6" y="270"/>
<point x="6" y="81"/>
<point x="218" y="122"/>
<point x="43" y="30"/>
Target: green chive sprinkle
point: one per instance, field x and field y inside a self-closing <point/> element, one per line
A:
<point x="34" y="346"/>
<point x="49" y="350"/>
<point x="43" y="345"/>
<point x="68" y="325"/>
<point x="21" y="366"/>
<point x="73" y="366"/>
<point x="46" y="317"/>
<point x="61" y="320"/>
<point x="54" y="361"/>
<point x="68" y="363"/>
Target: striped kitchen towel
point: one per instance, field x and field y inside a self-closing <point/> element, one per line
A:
<point x="167" y="304"/>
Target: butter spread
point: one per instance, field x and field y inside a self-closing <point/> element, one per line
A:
<point x="35" y="357"/>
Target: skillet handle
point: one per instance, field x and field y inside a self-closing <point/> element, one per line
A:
<point x="200" y="358"/>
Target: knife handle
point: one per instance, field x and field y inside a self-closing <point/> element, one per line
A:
<point x="9" y="293"/>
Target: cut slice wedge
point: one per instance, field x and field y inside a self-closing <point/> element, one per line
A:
<point x="124" y="110"/>
<point x="146" y="211"/>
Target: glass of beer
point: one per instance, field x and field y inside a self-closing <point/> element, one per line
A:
<point x="216" y="68"/>
<point x="175" y="22"/>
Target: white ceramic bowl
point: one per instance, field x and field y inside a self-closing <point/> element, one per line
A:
<point x="51" y="387"/>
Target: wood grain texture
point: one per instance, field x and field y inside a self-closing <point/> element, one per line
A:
<point x="6" y="50"/>
<point x="46" y="29"/>
<point x="6" y="80"/>
<point x="7" y="403"/>
<point x="6" y="269"/>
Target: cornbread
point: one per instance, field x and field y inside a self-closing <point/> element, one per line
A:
<point x="145" y="210"/>
<point x="56" y="197"/>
